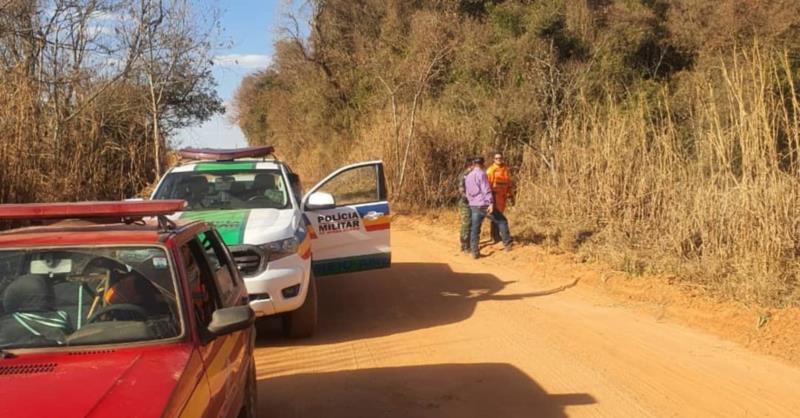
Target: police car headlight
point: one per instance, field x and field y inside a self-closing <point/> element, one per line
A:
<point x="279" y="249"/>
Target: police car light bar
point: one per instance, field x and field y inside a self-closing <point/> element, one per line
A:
<point x="226" y="154"/>
<point x="91" y="210"/>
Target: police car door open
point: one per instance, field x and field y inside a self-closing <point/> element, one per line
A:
<point x="349" y="219"/>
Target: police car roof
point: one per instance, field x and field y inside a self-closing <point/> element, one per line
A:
<point x="240" y="164"/>
<point x="226" y="154"/>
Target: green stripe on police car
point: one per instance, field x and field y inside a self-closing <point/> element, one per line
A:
<point x="230" y="223"/>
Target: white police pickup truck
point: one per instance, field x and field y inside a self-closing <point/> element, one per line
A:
<point x="280" y="238"/>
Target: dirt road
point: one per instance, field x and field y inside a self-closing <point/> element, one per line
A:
<point x="442" y="335"/>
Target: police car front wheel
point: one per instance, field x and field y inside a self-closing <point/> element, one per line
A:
<point x="302" y="322"/>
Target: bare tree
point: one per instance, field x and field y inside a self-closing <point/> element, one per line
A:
<point x="407" y="80"/>
<point x="175" y="65"/>
<point x="90" y="86"/>
<point x="421" y="85"/>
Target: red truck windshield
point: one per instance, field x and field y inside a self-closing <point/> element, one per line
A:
<point x="86" y="296"/>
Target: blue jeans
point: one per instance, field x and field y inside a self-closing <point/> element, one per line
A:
<point x="495" y="231"/>
<point x="480" y="212"/>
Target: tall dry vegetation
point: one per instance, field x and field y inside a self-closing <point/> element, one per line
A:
<point x="91" y="89"/>
<point x="715" y="200"/>
<point x="659" y="136"/>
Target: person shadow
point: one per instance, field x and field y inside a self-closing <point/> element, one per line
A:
<point x="441" y="390"/>
<point x="405" y="297"/>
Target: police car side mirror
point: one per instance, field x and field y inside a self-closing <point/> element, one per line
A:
<point x="320" y="201"/>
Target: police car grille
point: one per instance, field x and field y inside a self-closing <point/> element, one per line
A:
<point x="248" y="260"/>
<point x="27" y="368"/>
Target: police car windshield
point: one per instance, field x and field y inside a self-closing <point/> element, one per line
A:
<point x="86" y="296"/>
<point x="226" y="189"/>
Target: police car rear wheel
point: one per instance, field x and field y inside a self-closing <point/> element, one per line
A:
<point x="302" y="322"/>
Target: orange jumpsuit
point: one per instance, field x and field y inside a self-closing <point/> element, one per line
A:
<point x="501" y="183"/>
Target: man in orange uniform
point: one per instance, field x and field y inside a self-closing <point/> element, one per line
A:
<point x="502" y="188"/>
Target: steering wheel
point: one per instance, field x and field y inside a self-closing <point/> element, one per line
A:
<point x="119" y="311"/>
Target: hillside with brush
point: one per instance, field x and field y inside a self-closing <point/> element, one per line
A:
<point x="658" y="136"/>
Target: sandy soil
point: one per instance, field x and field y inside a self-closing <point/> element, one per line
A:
<point x="442" y="335"/>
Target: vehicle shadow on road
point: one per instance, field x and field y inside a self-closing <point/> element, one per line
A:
<point x="442" y="390"/>
<point x="406" y="297"/>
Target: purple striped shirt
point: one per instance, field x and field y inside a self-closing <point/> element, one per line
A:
<point x="479" y="192"/>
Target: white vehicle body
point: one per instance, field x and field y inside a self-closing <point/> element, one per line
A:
<point x="312" y="234"/>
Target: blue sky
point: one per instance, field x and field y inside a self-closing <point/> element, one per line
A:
<point x="250" y="26"/>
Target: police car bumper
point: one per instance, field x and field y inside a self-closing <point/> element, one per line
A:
<point x="282" y="287"/>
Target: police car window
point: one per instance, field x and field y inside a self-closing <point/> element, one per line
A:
<point x="226" y="189"/>
<point x="354" y="186"/>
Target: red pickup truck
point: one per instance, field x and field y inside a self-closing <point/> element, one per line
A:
<point x="110" y="309"/>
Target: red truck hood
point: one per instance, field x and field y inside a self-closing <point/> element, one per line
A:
<point x="125" y="382"/>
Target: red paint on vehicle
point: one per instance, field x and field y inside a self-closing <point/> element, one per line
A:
<point x="152" y="379"/>
<point x="129" y="382"/>
<point x="83" y="210"/>
<point x="54" y="239"/>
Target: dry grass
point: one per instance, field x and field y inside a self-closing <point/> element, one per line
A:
<point x="703" y="184"/>
<point x="716" y="201"/>
<point x="105" y="153"/>
<point x="636" y="136"/>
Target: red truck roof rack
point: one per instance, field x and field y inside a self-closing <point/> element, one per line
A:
<point x="220" y="154"/>
<point x="127" y="211"/>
